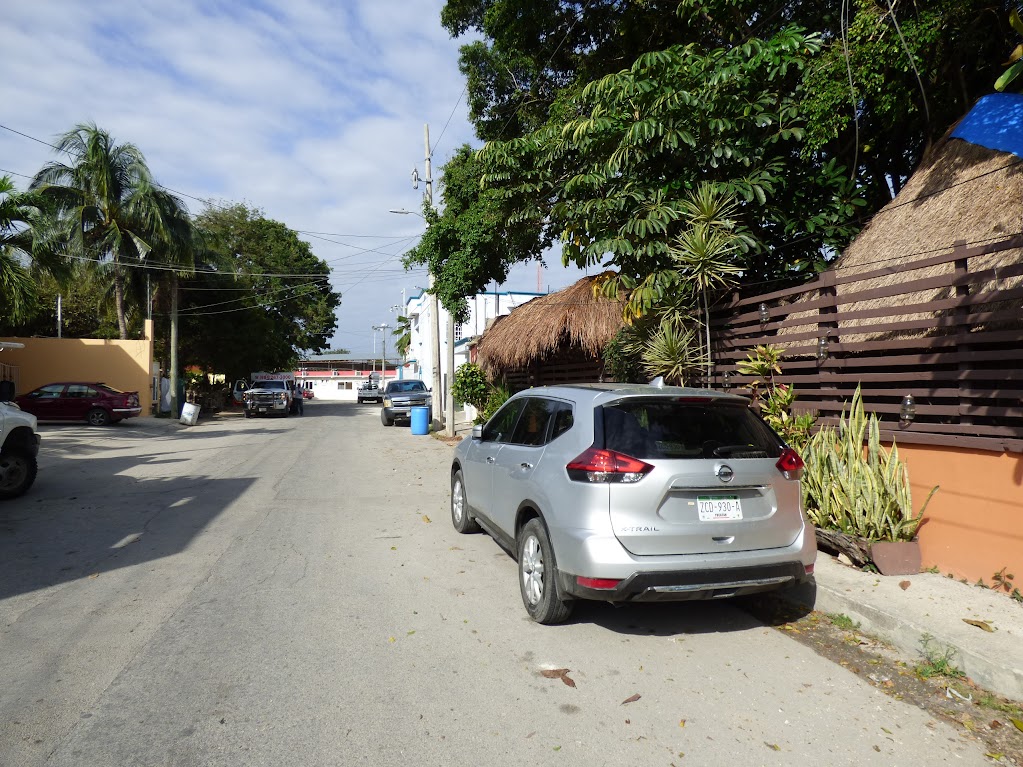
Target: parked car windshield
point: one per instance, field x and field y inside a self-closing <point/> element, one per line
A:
<point x="397" y="387"/>
<point x="645" y="428"/>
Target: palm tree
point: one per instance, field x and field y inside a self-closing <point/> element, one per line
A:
<point x="403" y="336"/>
<point x="27" y="249"/>
<point x="17" y="289"/>
<point x="105" y="197"/>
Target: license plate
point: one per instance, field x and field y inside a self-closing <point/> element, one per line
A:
<point x="715" y="508"/>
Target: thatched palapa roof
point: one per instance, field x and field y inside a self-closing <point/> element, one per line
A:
<point x="538" y="329"/>
<point x="962" y="191"/>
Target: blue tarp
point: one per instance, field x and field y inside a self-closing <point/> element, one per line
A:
<point x="995" y="122"/>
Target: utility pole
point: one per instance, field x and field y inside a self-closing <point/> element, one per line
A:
<point x="449" y="397"/>
<point x="175" y="405"/>
<point x="435" y="400"/>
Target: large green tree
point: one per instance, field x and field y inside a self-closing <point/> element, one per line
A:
<point x="473" y="239"/>
<point x="268" y="301"/>
<point x="612" y="179"/>
<point x="889" y="77"/>
<point x="105" y="198"/>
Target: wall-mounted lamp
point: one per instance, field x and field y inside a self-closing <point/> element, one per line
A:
<point x="727" y="383"/>
<point x="765" y="316"/>
<point x="907" y="411"/>
<point x="822" y="348"/>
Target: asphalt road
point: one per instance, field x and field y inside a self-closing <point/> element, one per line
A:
<point x="291" y="592"/>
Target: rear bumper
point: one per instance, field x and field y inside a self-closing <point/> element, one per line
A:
<point x="126" y="412"/>
<point x="679" y="577"/>
<point x="685" y="585"/>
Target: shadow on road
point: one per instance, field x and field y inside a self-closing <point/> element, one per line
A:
<point x="94" y="514"/>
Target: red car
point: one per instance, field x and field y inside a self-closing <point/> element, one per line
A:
<point x="307" y="394"/>
<point x="96" y="403"/>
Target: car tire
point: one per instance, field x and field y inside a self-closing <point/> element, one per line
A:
<point x="538" y="576"/>
<point x="98" y="417"/>
<point x="385" y="420"/>
<point x="17" y="473"/>
<point x="462" y="521"/>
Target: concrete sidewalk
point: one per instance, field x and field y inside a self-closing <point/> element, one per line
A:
<point x="931" y="610"/>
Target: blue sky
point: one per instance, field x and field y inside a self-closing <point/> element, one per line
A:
<point x="312" y="110"/>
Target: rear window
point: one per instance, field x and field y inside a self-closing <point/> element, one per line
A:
<point x="666" y="429"/>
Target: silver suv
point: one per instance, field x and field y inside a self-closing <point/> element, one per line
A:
<point x="629" y="492"/>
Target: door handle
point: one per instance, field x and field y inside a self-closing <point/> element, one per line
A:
<point x="525" y="465"/>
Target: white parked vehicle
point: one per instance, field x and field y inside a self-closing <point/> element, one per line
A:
<point x="19" y="446"/>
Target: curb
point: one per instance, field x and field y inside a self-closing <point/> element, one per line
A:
<point x="993" y="661"/>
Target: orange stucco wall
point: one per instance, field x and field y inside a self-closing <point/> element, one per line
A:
<point x="973" y="525"/>
<point x="125" y="365"/>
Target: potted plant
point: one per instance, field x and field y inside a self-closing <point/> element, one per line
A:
<point x="859" y="498"/>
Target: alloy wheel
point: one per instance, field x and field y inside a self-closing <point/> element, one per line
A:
<point x="531" y="569"/>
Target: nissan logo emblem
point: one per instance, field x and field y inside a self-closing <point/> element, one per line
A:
<point x="725" y="473"/>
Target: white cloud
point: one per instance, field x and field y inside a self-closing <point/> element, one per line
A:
<point x="311" y="110"/>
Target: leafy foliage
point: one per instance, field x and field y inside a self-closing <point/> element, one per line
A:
<point x="402" y="336"/>
<point x="107" y="207"/>
<point x="471" y="241"/>
<point x="244" y="316"/>
<point x="613" y="180"/>
<point x="863" y="495"/>
<point x="887" y="79"/>
<point x="776" y="400"/>
<point x="471" y="386"/>
<point x="1015" y="62"/>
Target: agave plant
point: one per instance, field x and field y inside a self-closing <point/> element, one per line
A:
<point x="864" y="494"/>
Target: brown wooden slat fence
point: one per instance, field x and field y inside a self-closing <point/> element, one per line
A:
<point x="946" y="329"/>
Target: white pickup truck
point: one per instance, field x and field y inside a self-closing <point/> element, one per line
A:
<point x="270" y="394"/>
<point x="19" y="446"/>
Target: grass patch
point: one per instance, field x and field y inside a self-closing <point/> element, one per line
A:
<point x="844" y="622"/>
<point x="937" y="661"/>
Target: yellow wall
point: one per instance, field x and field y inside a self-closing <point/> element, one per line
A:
<point x="124" y="365"/>
<point x="973" y="526"/>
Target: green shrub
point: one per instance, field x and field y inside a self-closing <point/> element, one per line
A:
<point x="863" y="495"/>
<point x="499" y="394"/>
<point x="471" y="386"/>
<point x="776" y="401"/>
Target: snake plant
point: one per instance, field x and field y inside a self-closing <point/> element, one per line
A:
<point x="861" y="492"/>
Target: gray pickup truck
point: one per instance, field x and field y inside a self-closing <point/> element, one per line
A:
<point x="268" y="398"/>
<point x="399" y="399"/>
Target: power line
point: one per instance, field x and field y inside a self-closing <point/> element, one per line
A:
<point x="205" y="201"/>
<point x="433" y="151"/>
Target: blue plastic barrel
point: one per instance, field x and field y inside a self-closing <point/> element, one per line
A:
<point x="421" y="420"/>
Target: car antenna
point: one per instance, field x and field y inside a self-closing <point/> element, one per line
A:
<point x="658" y="382"/>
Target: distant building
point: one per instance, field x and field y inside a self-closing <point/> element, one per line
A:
<point x="482" y="308"/>
<point x="337" y="377"/>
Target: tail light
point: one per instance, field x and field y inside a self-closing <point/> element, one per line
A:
<point x="790" y="464"/>
<point x="595" y="465"/>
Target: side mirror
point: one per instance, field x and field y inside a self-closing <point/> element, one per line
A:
<point x="477" y="431"/>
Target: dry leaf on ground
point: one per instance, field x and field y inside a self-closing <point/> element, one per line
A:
<point x="558" y="673"/>
<point x="980" y="624"/>
<point x="632" y="698"/>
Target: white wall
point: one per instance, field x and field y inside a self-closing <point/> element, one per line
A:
<point x="481" y="308"/>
